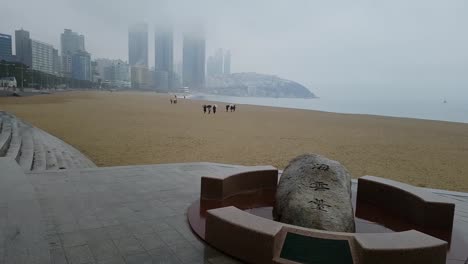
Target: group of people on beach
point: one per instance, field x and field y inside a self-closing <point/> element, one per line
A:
<point x="174" y="101"/>
<point x="208" y="108"/>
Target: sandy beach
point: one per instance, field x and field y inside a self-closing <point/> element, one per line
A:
<point x="123" y="128"/>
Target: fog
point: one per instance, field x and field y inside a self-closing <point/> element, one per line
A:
<point x="391" y="48"/>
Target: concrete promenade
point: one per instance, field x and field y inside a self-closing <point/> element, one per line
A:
<point x="132" y="214"/>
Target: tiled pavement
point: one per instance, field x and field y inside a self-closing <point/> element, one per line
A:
<point x="109" y="215"/>
<point x="132" y="214"/>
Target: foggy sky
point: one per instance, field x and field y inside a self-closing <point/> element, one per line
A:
<point x="334" y="47"/>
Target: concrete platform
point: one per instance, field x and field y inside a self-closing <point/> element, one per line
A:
<point x="134" y="214"/>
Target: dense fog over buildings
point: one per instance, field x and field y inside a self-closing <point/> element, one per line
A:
<point x="336" y="47"/>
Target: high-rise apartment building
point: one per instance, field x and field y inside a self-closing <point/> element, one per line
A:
<point x="214" y="64"/>
<point x="57" y="63"/>
<point x="81" y="66"/>
<point x="23" y="47"/>
<point x="6" y="52"/>
<point x="138" y="45"/>
<point x="71" y="42"/>
<point x="193" y="72"/>
<point x="42" y="56"/>
<point x="164" y="58"/>
<point x="141" y="77"/>
<point x="66" y="65"/>
<point x="76" y="62"/>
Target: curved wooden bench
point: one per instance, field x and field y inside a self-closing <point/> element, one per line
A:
<point x="259" y="240"/>
<point x="425" y="211"/>
<point x="257" y="185"/>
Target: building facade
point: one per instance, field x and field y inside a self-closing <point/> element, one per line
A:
<point x="138" y="45"/>
<point x="214" y="64"/>
<point x="81" y="66"/>
<point x="42" y="57"/>
<point x="6" y="52"/>
<point x="71" y="42"/>
<point x="193" y="72"/>
<point x="66" y="65"/>
<point x="23" y="47"/>
<point x="141" y="77"/>
<point x="118" y="70"/>
<point x="57" y="63"/>
<point x="164" y="58"/>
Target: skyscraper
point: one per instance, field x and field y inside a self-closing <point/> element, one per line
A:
<point x="81" y="66"/>
<point x="71" y="42"/>
<point x="227" y="62"/>
<point x="214" y="65"/>
<point x="193" y="73"/>
<point x="42" y="56"/>
<point x="164" y="60"/>
<point x="74" y="55"/>
<point x="23" y="47"/>
<point x="5" y="47"/>
<point x="56" y="62"/>
<point x="138" y="45"/>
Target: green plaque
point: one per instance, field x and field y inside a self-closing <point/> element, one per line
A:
<point x="305" y="249"/>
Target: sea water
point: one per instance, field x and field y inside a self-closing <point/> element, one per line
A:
<point x="431" y="108"/>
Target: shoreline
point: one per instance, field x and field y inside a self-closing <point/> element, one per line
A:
<point x="128" y="128"/>
<point x="331" y="112"/>
<point x="206" y="97"/>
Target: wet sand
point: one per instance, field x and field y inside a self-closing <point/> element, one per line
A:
<point x="123" y="128"/>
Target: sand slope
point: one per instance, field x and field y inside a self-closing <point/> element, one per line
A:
<point x="141" y="128"/>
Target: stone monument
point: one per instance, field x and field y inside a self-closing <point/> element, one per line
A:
<point x="315" y="192"/>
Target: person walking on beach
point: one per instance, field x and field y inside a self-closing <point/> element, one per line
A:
<point x="227" y="108"/>
<point x="204" y="109"/>
<point x="214" y="109"/>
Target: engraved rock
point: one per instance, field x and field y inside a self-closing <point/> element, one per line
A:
<point x="315" y="192"/>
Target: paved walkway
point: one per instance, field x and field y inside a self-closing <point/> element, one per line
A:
<point x="134" y="214"/>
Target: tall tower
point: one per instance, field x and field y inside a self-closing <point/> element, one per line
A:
<point x="214" y="65"/>
<point x="138" y="45"/>
<point x="5" y="47"/>
<point x="227" y="62"/>
<point x="71" y="42"/>
<point x="23" y="47"/>
<point x="164" y="57"/>
<point x="193" y="71"/>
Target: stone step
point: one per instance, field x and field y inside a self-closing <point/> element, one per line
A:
<point x="15" y="143"/>
<point x="35" y="149"/>
<point x="68" y="160"/>
<point x="80" y="160"/>
<point x="27" y="150"/>
<point x="49" y="148"/>
<point x="61" y="163"/>
<point x="39" y="162"/>
<point x="5" y="135"/>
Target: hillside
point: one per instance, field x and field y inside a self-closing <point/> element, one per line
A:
<point x="256" y="85"/>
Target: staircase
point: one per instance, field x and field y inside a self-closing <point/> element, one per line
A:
<point x="34" y="149"/>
